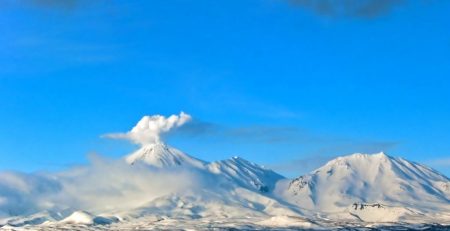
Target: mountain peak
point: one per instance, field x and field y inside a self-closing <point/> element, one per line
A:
<point x="160" y="155"/>
<point x="366" y="155"/>
<point x="374" y="178"/>
<point x="358" y="159"/>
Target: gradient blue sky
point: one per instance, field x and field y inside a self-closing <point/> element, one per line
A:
<point x="275" y="82"/>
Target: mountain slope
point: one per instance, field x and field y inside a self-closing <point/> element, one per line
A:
<point x="161" y="155"/>
<point x="233" y="193"/>
<point x="246" y="174"/>
<point x="377" y="178"/>
<point x="237" y="170"/>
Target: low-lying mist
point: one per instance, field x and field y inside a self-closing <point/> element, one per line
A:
<point x="102" y="185"/>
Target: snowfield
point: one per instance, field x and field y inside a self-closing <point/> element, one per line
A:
<point x="160" y="187"/>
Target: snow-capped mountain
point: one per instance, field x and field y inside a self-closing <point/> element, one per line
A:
<point x="180" y="191"/>
<point x="236" y="170"/>
<point x="246" y="173"/>
<point x="161" y="155"/>
<point x="378" y="178"/>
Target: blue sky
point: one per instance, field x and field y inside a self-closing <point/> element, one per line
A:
<point x="276" y="82"/>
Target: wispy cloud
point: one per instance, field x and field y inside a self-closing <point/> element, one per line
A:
<point x="439" y="162"/>
<point x="348" y="146"/>
<point x="333" y="8"/>
<point x="62" y="4"/>
<point x="349" y="8"/>
<point x="71" y="52"/>
<point x="295" y="167"/>
<point x="121" y="187"/>
<point x="265" y="134"/>
<point x="319" y="146"/>
<point x="58" y="5"/>
<point x="248" y="133"/>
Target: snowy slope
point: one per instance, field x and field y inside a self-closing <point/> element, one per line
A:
<point x="79" y="217"/>
<point x="377" y="178"/>
<point x="222" y="203"/>
<point x="237" y="170"/>
<point x="86" y="218"/>
<point x="161" y="155"/>
<point x="246" y="174"/>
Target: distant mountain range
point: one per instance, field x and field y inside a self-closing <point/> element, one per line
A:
<point x="354" y="190"/>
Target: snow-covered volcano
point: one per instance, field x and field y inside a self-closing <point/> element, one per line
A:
<point x="236" y="170"/>
<point x="160" y="187"/>
<point x="377" y="178"/>
<point x="161" y="155"/>
<point x="350" y="190"/>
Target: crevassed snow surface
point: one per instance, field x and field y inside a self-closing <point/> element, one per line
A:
<point x="160" y="187"/>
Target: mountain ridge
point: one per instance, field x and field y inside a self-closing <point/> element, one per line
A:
<point x="352" y="189"/>
<point x="235" y="169"/>
<point x="377" y="178"/>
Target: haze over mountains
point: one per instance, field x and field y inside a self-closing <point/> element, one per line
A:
<point x="162" y="187"/>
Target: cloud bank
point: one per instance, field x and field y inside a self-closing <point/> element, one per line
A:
<point x="150" y="128"/>
<point x="102" y="186"/>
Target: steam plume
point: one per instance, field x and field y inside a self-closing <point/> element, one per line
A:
<point x="150" y="128"/>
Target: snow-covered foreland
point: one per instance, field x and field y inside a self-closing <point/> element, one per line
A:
<point x="160" y="187"/>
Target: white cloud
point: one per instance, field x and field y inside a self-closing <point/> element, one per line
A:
<point x="150" y="128"/>
<point x="103" y="185"/>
